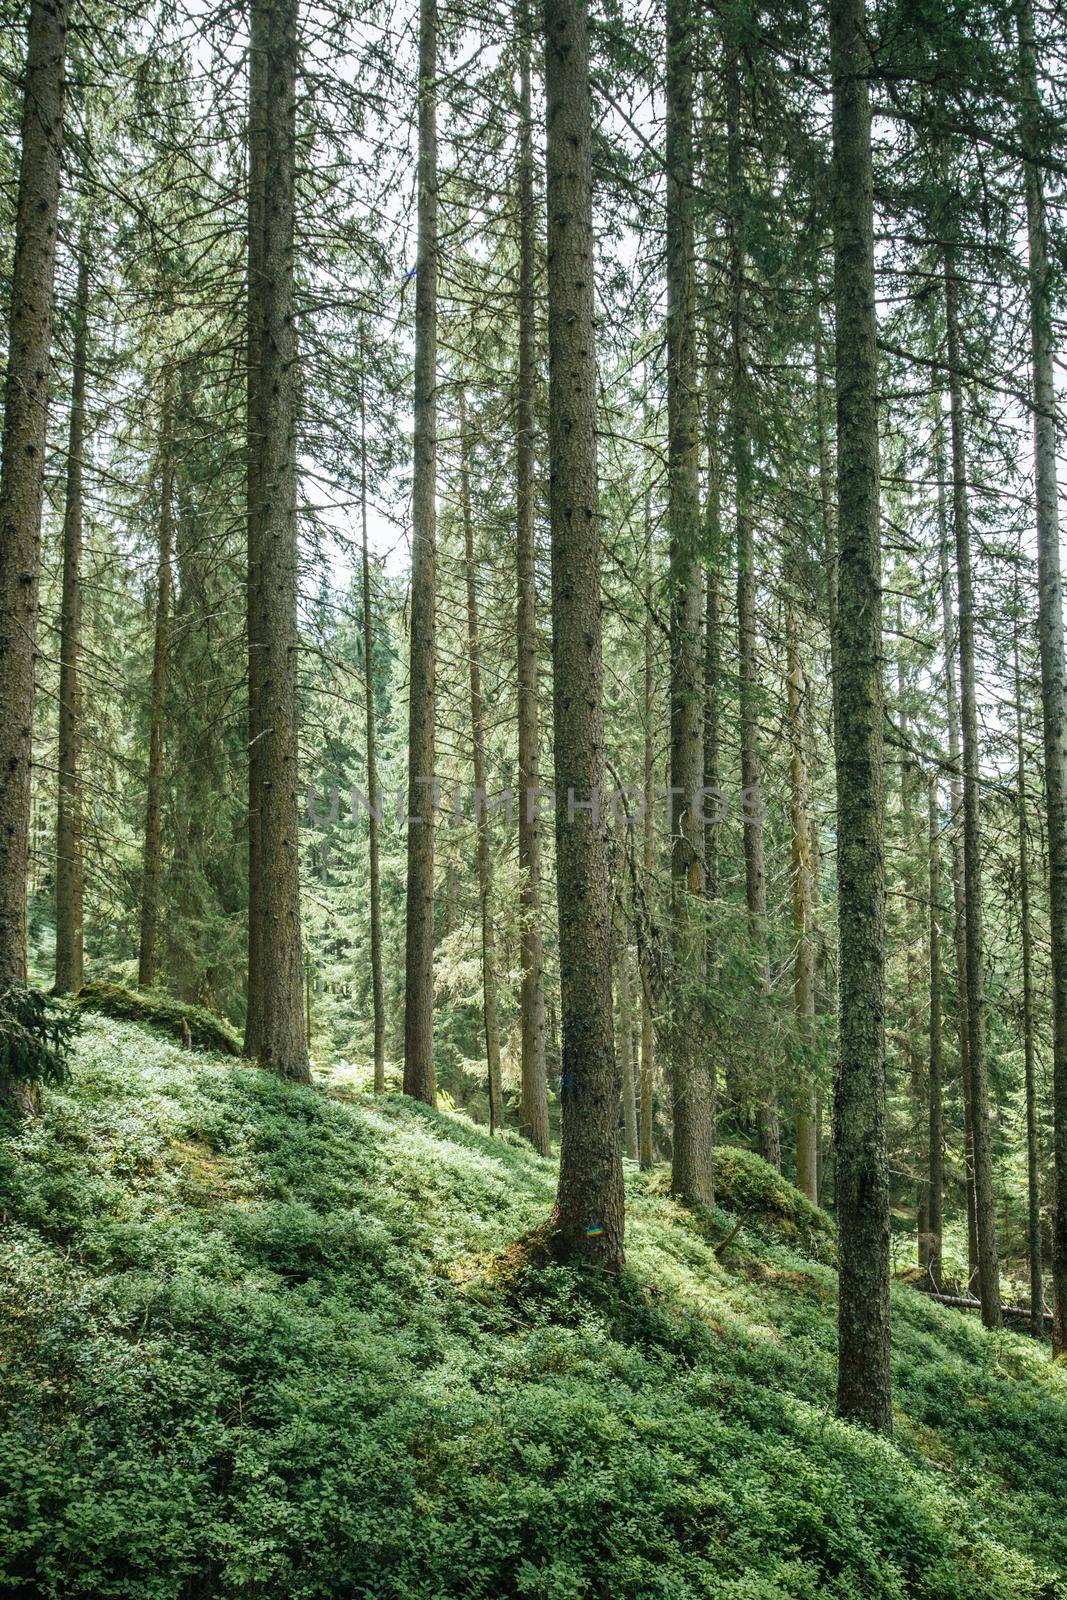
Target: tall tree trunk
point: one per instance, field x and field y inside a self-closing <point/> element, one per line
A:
<point x="863" y="1384"/>
<point x="935" y="1136"/>
<point x="420" y="1077"/>
<point x="491" y="1011"/>
<point x="1050" y="637"/>
<point x="588" y="1218"/>
<point x="713" y="676"/>
<point x="911" y="1029"/>
<point x="826" y="510"/>
<point x="534" y="1076"/>
<point x="624" y="1049"/>
<point x="1033" y="1188"/>
<point x="748" y="665"/>
<point x="804" y="959"/>
<point x="152" y="862"/>
<point x="828" y="526"/>
<point x="282" y="1044"/>
<point x="258" y="45"/>
<point x="70" y="867"/>
<point x="22" y="470"/>
<point x="985" y="1212"/>
<point x="959" y="897"/>
<point x="647" y="1035"/>
<point x="377" y="985"/>
<point x="692" y="1175"/>
<point x="712" y="632"/>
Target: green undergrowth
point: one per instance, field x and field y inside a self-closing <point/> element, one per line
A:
<point x="206" y="1030"/>
<point x="268" y="1341"/>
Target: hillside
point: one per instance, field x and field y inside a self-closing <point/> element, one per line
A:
<point x="261" y="1340"/>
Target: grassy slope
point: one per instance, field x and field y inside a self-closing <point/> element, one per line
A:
<point x="249" y="1349"/>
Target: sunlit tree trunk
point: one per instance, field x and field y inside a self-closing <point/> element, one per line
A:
<point x="588" y="1218"/>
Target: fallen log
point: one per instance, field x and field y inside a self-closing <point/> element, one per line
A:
<point x="963" y="1302"/>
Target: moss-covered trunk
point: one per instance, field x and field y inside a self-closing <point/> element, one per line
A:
<point x="863" y="1387"/>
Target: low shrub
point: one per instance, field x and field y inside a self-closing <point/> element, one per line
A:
<point x="206" y="1030"/>
<point x="36" y="1035"/>
<point x="259" y="1341"/>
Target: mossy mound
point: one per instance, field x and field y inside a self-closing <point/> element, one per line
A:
<point x="749" y="1186"/>
<point x="206" y="1031"/>
<point x="752" y="1192"/>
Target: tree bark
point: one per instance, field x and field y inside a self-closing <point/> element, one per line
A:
<point x="282" y="1044"/>
<point x="748" y="665"/>
<point x="646" y="1153"/>
<point x="912" y="895"/>
<point x="985" y="1212"/>
<point x="152" y="861"/>
<point x="624" y="1050"/>
<point x="712" y="631"/>
<point x="804" y="958"/>
<point x="70" y="867"/>
<point x="258" y="48"/>
<point x="935" y="1132"/>
<point x="420" y="1078"/>
<point x="1050" y="637"/>
<point x="826" y="511"/>
<point x="490" y="1008"/>
<point x="534" y="1075"/>
<point x="692" y="1177"/>
<point x="959" y="897"/>
<point x="588" y="1219"/>
<point x="377" y="985"/>
<point x="22" y="468"/>
<point x="1033" y="1187"/>
<point x="863" y="1386"/>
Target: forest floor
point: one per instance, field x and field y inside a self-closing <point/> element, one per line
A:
<point x="261" y="1340"/>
